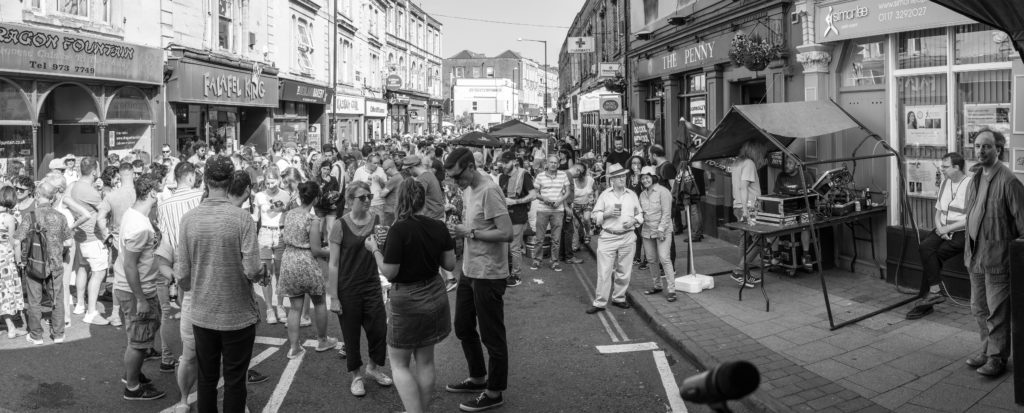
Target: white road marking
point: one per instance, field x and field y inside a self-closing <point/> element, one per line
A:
<point x="265" y="354"/>
<point x="669" y="381"/>
<point x="601" y="315"/>
<point x="604" y="321"/>
<point x="271" y="341"/>
<point x="625" y="348"/>
<point x="287" y="376"/>
<point x="538" y="281"/>
<point x="591" y="288"/>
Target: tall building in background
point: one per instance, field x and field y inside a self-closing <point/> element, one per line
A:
<point x="525" y="75"/>
<point x="413" y="70"/>
<point x="300" y="47"/>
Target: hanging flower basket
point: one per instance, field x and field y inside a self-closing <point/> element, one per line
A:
<point x="753" y="52"/>
<point x="616" y="84"/>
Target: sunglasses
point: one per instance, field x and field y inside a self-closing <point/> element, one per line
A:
<point x="365" y="198"/>
<point x="166" y="151"/>
<point x="20" y="189"/>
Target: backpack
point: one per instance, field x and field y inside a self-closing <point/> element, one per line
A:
<point x="35" y="251"/>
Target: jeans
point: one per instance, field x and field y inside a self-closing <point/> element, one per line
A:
<point x="543" y="219"/>
<point x="614" y="260"/>
<point x="167" y="330"/>
<point x="361" y="312"/>
<point x="567" y="234"/>
<point x="34" y="312"/>
<point x="753" y="244"/>
<point x="990" y="305"/>
<point x="516" y="249"/>
<point x="235" y="348"/>
<point x="480" y="302"/>
<point x="658" y="251"/>
<point x="934" y="250"/>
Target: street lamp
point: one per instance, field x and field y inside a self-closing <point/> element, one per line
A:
<point x="545" y="74"/>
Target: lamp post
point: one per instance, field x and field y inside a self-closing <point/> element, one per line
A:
<point x="545" y="74"/>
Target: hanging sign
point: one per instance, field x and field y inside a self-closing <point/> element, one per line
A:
<point x="576" y="45"/>
<point x="643" y="130"/>
<point x="611" y="106"/>
<point x="393" y="82"/>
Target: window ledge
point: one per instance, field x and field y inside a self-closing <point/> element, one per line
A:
<point x="59" y="21"/>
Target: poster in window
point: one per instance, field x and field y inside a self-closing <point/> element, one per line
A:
<point x="978" y="116"/>
<point x="925" y="125"/>
<point x="1018" y="160"/>
<point x="698" y="112"/>
<point x="923" y="178"/>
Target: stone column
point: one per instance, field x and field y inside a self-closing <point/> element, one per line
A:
<point x="670" y="114"/>
<point x="815" y="59"/>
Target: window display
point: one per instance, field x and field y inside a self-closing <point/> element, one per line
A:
<point x="865" y="65"/>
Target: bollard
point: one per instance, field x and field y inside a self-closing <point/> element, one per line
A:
<point x="1017" y="317"/>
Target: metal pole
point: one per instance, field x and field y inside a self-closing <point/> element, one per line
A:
<point x="545" y="86"/>
<point x="334" y="74"/>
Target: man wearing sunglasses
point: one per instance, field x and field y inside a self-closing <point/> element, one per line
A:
<point x="487" y="229"/>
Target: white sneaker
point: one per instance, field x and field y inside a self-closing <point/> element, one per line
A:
<point x="357" y="388"/>
<point x="58" y="339"/>
<point x="38" y="342"/>
<point x="79" y="310"/>
<point x="305" y="322"/>
<point x="326" y="343"/>
<point x="95" y="318"/>
<point x="271" y="317"/>
<point x="114" y="320"/>
<point x="381" y="378"/>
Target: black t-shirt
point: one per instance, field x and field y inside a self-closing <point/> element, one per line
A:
<point x="438" y="169"/>
<point x="666" y="174"/>
<point x="518" y="214"/>
<point x="417" y="244"/>
<point x="618" y="157"/>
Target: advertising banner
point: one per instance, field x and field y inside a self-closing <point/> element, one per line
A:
<point x="304" y="92"/>
<point x="862" y="18"/>
<point x="682" y="58"/>
<point x="643" y="130"/>
<point x="925" y="125"/>
<point x="376" y="109"/>
<point x="609" y="70"/>
<point x="348" y="105"/>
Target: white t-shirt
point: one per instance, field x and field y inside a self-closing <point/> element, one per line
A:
<point x="744" y="177"/>
<point x="264" y="202"/>
<point x="950" y="204"/>
<point x="137" y="235"/>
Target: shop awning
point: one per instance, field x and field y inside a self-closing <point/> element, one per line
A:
<point x="1005" y="15"/>
<point x="781" y="122"/>
<point x="516" y="128"/>
<point x="477" y="139"/>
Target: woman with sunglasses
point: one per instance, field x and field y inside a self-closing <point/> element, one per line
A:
<point x="358" y="300"/>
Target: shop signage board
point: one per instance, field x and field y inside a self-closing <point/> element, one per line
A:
<point x="348" y="105"/>
<point x="577" y="45"/>
<point x="863" y="18"/>
<point x="205" y="83"/>
<point x="686" y="57"/>
<point x="393" y="82"/>
<point x="36" y="51"/>
<point x="609" y="70"/>
<point x="611" y="106"/>
<point x="304" y="92"/>
<point x="376" y="109"/>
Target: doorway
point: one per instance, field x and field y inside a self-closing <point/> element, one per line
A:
<point x="753" y="93"/>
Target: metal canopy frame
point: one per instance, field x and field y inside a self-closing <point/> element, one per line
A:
<point x="807" y="205"/>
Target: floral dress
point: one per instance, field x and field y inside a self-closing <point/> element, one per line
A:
<point x="11" y="298"/>
<point x="300" y="273"/>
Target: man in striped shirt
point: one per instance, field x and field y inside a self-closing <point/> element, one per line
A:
<point x="552" y="190"/>
<point x="184" y="198"/>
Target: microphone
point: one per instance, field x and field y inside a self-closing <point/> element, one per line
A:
<point x="727" y="381"/>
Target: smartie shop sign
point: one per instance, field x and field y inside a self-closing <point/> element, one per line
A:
<point x="862" y="18"/>
<point x="32" y="50"/>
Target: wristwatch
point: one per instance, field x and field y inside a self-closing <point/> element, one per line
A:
<point x="472" y="234"/>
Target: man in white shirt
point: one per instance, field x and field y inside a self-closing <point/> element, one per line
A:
<point x="947" y="239"/>
<point x="618" y="213"/>
<point x="552" y="188"/>
<point x="373" y="175"/>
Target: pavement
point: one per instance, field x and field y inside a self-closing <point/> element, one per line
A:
<point x="884" y="363"/>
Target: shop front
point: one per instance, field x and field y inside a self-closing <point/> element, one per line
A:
<point x="375" y="118"/>
<point x="927" y="79"/>
<point x="418" y="116"/>
<point x="220" y="102"/>
<point x="300" y="114"/>
<point x="348" y="112"/>
<point x="63" y="93"/>
<point x="434" y="119"/>
<point x="398" y="108"/>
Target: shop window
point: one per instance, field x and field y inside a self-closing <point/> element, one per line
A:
<point x="476" y="72"/>
<point x="474" y="106"/>
<point x="460" y="72"/>
<point x="490" y="72"/>
<point x="978" y="43"/>
<point x="865" y="63"/>
<point x="696" y="83"/>
<point x="923" y="132"/>
<point x="982" y="101"/>
<point x="129" y="104"/>
<point x="12" y="105"/>
<point x="225" y="35"/>
<point x="304" y="48"/>
<point x="922" y="48"/>
<point x="77" y="8"/>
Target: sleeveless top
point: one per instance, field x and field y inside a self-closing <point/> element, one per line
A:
<point x="357" y="268"/>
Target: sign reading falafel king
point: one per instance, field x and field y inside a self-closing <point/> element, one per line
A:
<point x="37" y="51"/>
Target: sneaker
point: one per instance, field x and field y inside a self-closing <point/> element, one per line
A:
<point x="466" y="386"/>
<point x="357" y="388"/>
<point x="737" y="275"/>
<point x="58" y="339"/>
<point x="933" y="298"/>
<point x="379" y="376"/>
<point x="254" y="377"/>
<point x="95" y="318"/>
<point x="341" y="351"/>
<point x="182" y="408"/>
<point x="152" y="354"/>
<point x="513" y="281"/>
<point x="574" y="260"/>
<point x="272" y="317"/>
<point x="535" y="265"/>
<point x="281" y="314"/>
<point x="481" y="403"/>
<point x="326" y="343"/>
<point x="168" y="367"/>
<point x="643" y="266"/>
<point x="16" y="333"/>
<point x="35" y="341"/>
<point x="79" y="310"/>
<point x="143" y="380"/>
<point x="294" y="355"/>
<point x="305" y="322"/>
<point x="114" y="320"/>
<point x="555" y="266"/>
<point x="143" y="393"/>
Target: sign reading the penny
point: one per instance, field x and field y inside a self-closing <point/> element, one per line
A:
<point x="685" y="57"/>
<point x="205" y="83"/>
<point x="304" y="92"/>
<point x="40" y="51"/>
<point x="862" y="18"/>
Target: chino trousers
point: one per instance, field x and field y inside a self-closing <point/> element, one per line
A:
<point x="614" y="266"/>
<point x="235" y="349"/>
<point x="555" y="220"/>
<point x="480" y="304"/>
<point x="515" y="250"/>
<point x="990" y="305"/>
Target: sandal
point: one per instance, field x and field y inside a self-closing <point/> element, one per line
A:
<point x="671" y="298"/>
<point x="653" y="291"/>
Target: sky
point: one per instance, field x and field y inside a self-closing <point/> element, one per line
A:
<point x="493" y="38"/>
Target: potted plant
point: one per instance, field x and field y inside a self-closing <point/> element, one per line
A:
<point x="753" y="51"/>
<point x="616" y="84"/>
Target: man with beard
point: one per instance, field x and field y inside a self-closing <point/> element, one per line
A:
<point x="517" y="184"/>
<point x="995" y="216"/>
<point x="618" y="156"/>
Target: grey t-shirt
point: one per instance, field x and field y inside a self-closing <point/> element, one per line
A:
<point x="434" y="204"/>
<point x="482" y="259"/>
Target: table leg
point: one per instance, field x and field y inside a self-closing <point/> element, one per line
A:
<point x="763" y="243"/>
<point x="746" y="265"/>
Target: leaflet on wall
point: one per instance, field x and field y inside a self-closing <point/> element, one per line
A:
<point x="978" y="116"/>
<point x="925" y="125"/>
<point x="923" y="178"/>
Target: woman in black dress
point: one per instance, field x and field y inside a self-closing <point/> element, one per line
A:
<point x="635" y="164"/>
<point x="420" y="317"/>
